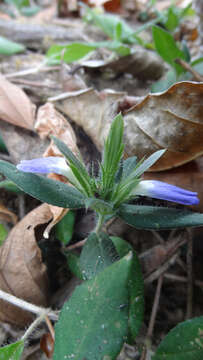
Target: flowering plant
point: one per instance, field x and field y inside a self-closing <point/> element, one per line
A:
<point x="107" y="309"/>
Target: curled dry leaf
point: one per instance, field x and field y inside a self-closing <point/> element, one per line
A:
<point x="15" y="106"/>
<point x="92" y="111"/>
<point x="143" y="64"/>
<point x="22" y="272"/>
<point x="51" y="122"/>
<point x="7" y="215"/>
<point x="172" y="119"/>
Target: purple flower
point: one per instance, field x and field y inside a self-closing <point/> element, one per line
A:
<point x="45" y="165"/>
<point x="160" y="190"/>
<point x="52" y="164"/>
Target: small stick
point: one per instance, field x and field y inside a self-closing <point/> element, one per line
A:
<point x="35" y="84"/>
<point x="21" y="206"/>
<point x="187" y="67"/>
<point x="76" y="245"/>
<point x="155" y="307"/>
<point x="27" y="306"/>
<point x="190" y="276"/>
<point x="179" y="278"/>
<point x="150" y="329"/>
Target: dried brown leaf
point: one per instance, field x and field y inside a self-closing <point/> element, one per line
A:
<point x="51" y="122"/>
<point x="142" y="64"/>
<point x="92" y="111"/>
<point x="22" y="272"/>
<point x="173" y="120"/>
<point x="15" y="106"/>
<point x="7" y="215"/>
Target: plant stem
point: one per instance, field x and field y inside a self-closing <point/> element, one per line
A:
<point x="99" y="223"/>
<point x="26" y="305"/>
<point x="35" y="324"/>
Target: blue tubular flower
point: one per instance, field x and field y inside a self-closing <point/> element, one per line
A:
<point x="51" y="164"/>
<point x="160" y="190"/>
<point x="45" y="165"/>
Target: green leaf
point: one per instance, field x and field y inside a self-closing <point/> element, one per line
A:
<point x="172" y="19"/>
<point x="158" y="218"/>
<point x="77" y="167"/>
<point x="108" y="24"/>
<point x="12" y="351"/>
<point x="74" y="265"/>
<point x="44" y="189"/>
<point x="97" y="253"/>
<point x="161" y="85"/>
<point x="8" y="47"/>
<point x="10" y="186"/>
<point x="128" y="166"/>
<point x="64" y="228"/>
<point x="113" y="45"/>
<point x="136" y="287"/>
<point x="30" y="10"/>
<point x="3" y="147"/>
<point x="167" y="48"/>
<point x="113" y="152"/>
<point x="71" y="52"/>
<point x="93" y="324"/>
<point x="3" y="234"/>
<point x="100" y="206"/>
<point x="146" y="164"/>
<point x="184" y="342"/>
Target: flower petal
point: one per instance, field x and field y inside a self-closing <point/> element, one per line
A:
<point x="160" y="190"/>
<point x="45" y="165"/>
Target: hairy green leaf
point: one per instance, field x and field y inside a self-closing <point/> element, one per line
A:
<point x="136" y="287"/>
<point x="97" y="253"/>
<point x="64" y="228"/>
<point x="184" y="342"/>
<point x="44" y="189"/>
<point x="93" y="324"/>
<point x="158" y="218"/>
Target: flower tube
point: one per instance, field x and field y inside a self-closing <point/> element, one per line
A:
<point x="46" y="165"/>
<point x="160" y="190"/>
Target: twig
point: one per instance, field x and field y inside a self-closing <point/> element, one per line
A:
<point x="76" y="245"/>
<point x="190" y="276"/>
<point x="158" y="237"/>
<point x="187" y="67"/>
<point x="156" y="274"/>
<point x="27" y="306"/>
<point x="35" y="323"/>
<point x="21" y="206"/>
<point x="150" y="329"/>
<point x="36" y="84"/>
<point x="68" y="94"/>
<point x="171" y="258"/>
<point x="179" y="278"/>
<point x="155" y="307"/>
